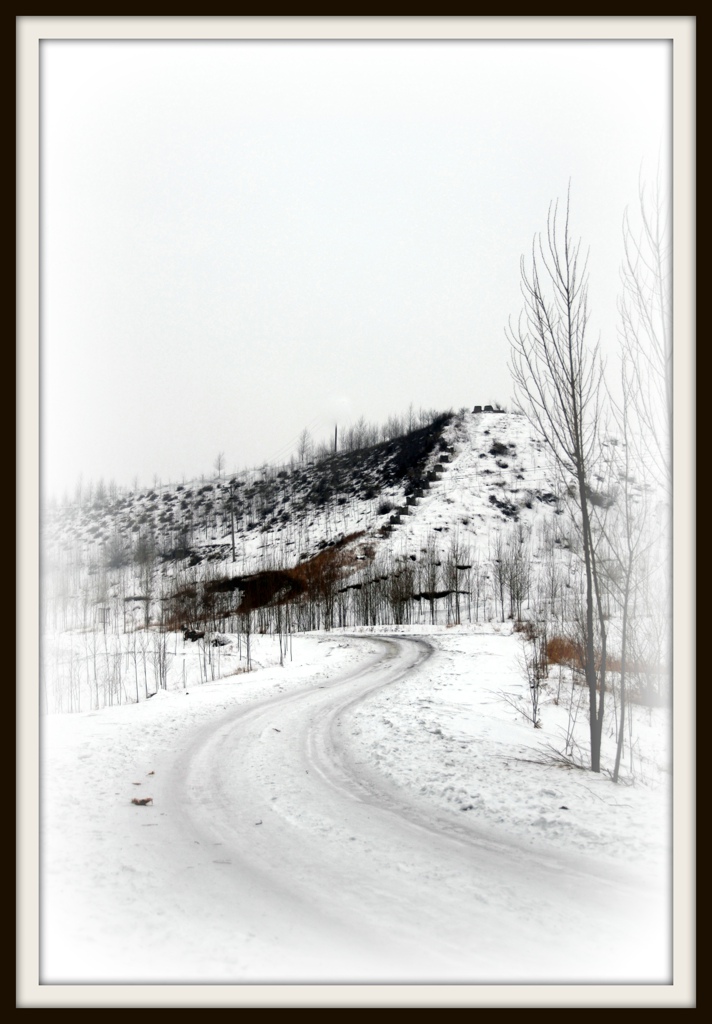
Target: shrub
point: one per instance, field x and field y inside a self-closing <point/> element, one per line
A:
<point x="498" y="448"/>
<point x="528" y="628"/>
<point x="560" y="650"/>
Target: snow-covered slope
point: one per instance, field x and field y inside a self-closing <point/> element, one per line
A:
<point x="455" y="486"/>
<point x="492" y="474"/>
<point x="462" y="520"/>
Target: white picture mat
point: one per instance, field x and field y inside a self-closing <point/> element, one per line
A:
<point x="30" y="31"/>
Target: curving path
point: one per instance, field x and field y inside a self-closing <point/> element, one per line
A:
<point x="290" y="862"/>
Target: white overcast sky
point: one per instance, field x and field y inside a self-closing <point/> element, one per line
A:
<point x="243" y="239"/>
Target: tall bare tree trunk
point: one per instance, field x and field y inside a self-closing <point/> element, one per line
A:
<point x="558" y="384"/>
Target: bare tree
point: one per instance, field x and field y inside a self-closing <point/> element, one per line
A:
<point x="645" y="308"/>
<point x="499" y="571"/>
<point x="558" y="381"/>
<point x="305" y="446"/>
<point x="644" y="425"/>
<point x="646" y="334"/>
<point x="145" y="557"/>
<point x="518" y="571"/>
<point x="625" y="528"/>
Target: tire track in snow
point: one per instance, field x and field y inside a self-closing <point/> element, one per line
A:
<point x="313" y="868"/>
<point x="252" y="789"/>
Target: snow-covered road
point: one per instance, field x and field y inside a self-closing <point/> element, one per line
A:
<point x="273" y="852"/>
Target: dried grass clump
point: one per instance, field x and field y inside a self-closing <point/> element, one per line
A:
<point x="560" y="650"/>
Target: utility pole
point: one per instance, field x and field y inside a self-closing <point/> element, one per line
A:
<point x="336" y="437"/>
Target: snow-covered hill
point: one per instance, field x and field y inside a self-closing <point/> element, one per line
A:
<point x="455" y="486"/>
<point x="459" y="521"/>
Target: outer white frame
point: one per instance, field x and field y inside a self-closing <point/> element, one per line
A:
<point x="30" y="30"/>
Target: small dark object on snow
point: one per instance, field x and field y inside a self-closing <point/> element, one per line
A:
<point x="193" y="634"/>
<point x="150" y="773"/>
<point x="563" y="807"/>
<point x="276" y="729"/>
<point x="143" y="801"/>
<point x="258" y="822"/>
